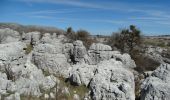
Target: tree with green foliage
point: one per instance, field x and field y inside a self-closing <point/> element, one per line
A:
<point x="127" y="39"/>
<point x="71" y="34"/>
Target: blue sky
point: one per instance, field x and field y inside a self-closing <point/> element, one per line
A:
<point x="152" y="17"/>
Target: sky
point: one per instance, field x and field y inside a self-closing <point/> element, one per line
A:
<point x="100" y="17"/>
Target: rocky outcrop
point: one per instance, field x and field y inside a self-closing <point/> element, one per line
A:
<point x="124" y="58"/>
<point x="18" y="75"/>
<point x="112" y="81"/>
<point x="157" y="86"/>
<point x="106" y="72"/>
<point x="8" y="35"/>
<point x="12" y="54"/>
<point x="32" y="38"/>
<point x="48" y="57"/>
<point x="82" y="74"/>
<point x="46" y="38"/>
<point x="158" y="54"/>
<point x="79" y="51"/>
<point x="98" y="52"/>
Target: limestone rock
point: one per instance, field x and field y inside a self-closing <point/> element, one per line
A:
<point x="49" y="58"/>
<point x="15" y="96"/>
<point x="124" y="58"/>
<point x="79" y="51"/>
<point x="76" y="97"/>
<point x="157" y="86"/>
<point x="68" y="50"/>
<point x="98" y="52"/>
<point x="12" y="54"/>
<point x="31" y="37"/>
<point x="82" y="74"/>
<point x="8" y="35"/>
<point x="46" y="38"/>
<point x="112" y="81"/>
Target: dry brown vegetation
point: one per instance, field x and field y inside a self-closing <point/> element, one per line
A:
<point x="82" y="35"/>
<point x="31" y="28"/>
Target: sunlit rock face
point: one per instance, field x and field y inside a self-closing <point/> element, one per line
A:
<point x="112" y="81"/>
<point x="8" y="35"/>
<point x="105" y="72"/>
<point x="157" y="86"/>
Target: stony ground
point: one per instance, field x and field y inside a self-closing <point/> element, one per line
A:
<point x="47" y="67"/>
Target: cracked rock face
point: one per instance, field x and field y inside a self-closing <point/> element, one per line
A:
<point x="112" y="81"/>
<point x="8" y="35"/>
<point x="49" y="58"/>
<point x="98" y="52"/>
<point x="157" y="86"/>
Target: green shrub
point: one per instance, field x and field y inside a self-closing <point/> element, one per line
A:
<point x="28" y="49"/>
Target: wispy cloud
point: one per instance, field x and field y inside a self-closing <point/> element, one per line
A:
<point x="117" y="6"/>
<point x="111" y="21"/>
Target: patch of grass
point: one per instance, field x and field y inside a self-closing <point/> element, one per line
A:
<point x="144" y="63"/>
<point x="80" y="90"/>
<point x="28" y="49"/>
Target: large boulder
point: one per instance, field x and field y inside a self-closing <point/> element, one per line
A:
<point x="32" y="38"/>
<point x="82" y="74"/>
<point x="112" y="81"/>
<point x="8" y="35"/>
<point x="12" y="54"/>
<point x="47" y="38"/>
<point x="79" y="51"/>
<point x="98" y="52"/>
<point x="49" y="58"/>
<point x="29" y="80"/>
<point x="68" y="50"/>
<point x="3" y="83"/>
<point x="157" y="86"/>
<point x="124" y="58"/>
<point x="157" y="54"/>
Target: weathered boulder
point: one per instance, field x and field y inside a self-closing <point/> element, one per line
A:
<point x="157" y="54"/>
<point x="12" y="54"/>
<point x="82" y="74"/>
<point x="8" y="35"/>
<point x="25" y="79"/>
<point x="68" y="50"/>
<point x="98" y="52"/>
<point x="49" y="58"/>
<point x="157" y="86"/>
<point x="124" y="58"/>
<point x="46" y="38"/>
<point x="31" y="37"/>
<point x="112" y="81"/>
<point x="15" y="96"/>
<point x="79" y="51"/>
<point x="3" y="83"/>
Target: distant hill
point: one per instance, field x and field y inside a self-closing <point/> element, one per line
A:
<point x="30" y="28"/>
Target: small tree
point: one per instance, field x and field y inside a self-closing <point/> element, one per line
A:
<point x="71" y="34"/>
<point x="85" y="37"/>
<point x="127" y="39"/>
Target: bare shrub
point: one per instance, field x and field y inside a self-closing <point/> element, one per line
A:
<point x="9" y="73"/>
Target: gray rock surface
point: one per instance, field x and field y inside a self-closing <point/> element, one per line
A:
<point x="157" y="86"/>
<point x="48" y="57"/>
<point x="82" y="74"/>
<point x="124" y="58"/>
<point x="15" y="96"/>
<point x="79" y="51"/>
<point x="47" y="38"/>
<point x="31" y="37"/>
<point x="112" y="81"/>
<point x="98" y="52"/>
<point x="158" y="54"/>
<point x="12" y="54"/>
<point x="8" y="35"/>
